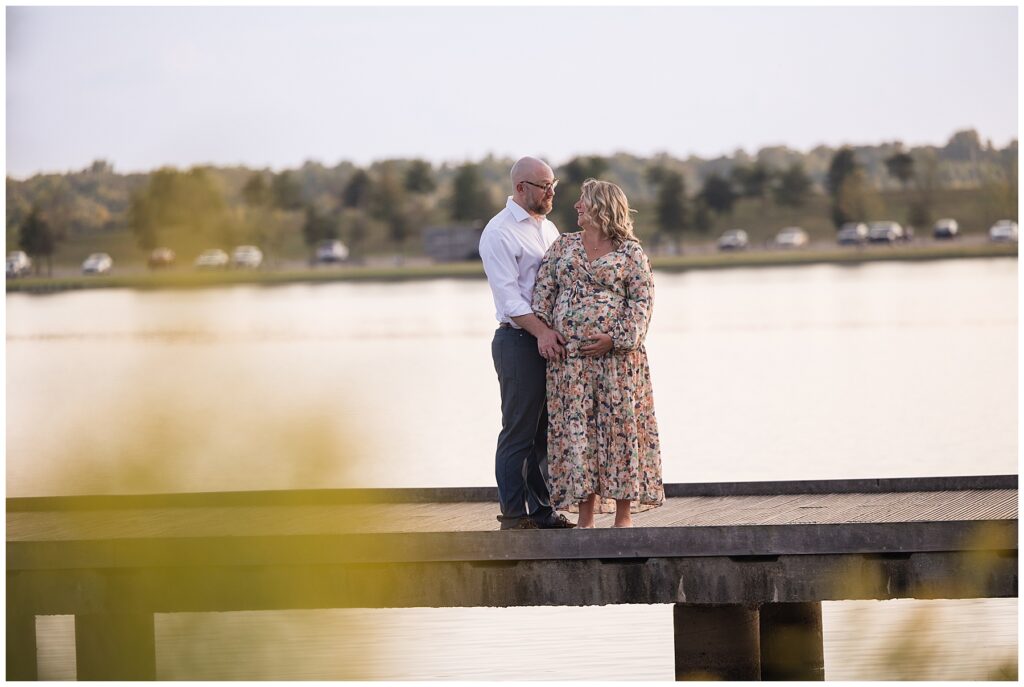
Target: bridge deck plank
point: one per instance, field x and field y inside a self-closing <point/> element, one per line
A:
<point x="691" y="511"/>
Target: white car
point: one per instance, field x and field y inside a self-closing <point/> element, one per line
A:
<point x="1003" y="230"/>
<point x="885" y="232"/>
<point x="97" y="263"/>
<point x="246" y="257"/>
<point x="18" y="264"/>
<point x="946" y="229"/>
<point x="331" y="250"/>
<point x="791" y="237"/>
<point x="212" y="259"/>
<point x="852" y="233"/>
<point x="734" y="239"/>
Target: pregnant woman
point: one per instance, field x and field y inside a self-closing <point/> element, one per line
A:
<point x="595" y="288"/>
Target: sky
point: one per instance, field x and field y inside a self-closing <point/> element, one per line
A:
<point x="144" y="87"/>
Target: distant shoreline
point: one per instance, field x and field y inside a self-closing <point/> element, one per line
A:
<point x="474" y="270"/>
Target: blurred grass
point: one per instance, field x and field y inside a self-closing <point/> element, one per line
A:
<point x="177" y="427"/>
<point x="917" y="649"/>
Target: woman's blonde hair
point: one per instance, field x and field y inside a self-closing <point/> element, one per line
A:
<point x="607" y="205"/>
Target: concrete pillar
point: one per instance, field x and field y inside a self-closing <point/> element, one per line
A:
<point x="716" y="642"/>
<point x="792" y="647"/>
<point x="21" y="644"/>
<point x="115" y="646"/>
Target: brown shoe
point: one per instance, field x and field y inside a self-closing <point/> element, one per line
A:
<point x="523" y="523"/>
<point x="555" y="521"/>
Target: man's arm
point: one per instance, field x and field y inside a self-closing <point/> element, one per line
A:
<point x="502" y="274"/>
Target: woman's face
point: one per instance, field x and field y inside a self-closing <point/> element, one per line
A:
<point x="583" y="218"/>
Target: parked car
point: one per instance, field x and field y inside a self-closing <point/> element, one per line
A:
<point x="246" y="257"/>
<point x="791" y="237"/>
<point x="162" y="257"/>
<point x="946" y="229"/>
<point x="331" y="251"/>
<point x="885" y="232"/>
<point x="97" y="263"/>
<point x="212" y="259"/>
<point x="734" y="239"/>
<point x="18" y="264"/>
<point x="854" y="233"/>
<point x="1003" y="230"/>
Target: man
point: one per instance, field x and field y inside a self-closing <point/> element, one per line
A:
<point x="512" y="246"/>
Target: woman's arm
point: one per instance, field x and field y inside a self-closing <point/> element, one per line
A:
<point x="629" y="331"/>
<point x="545" y="288"/>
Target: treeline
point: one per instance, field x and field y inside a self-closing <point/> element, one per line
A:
<point x="383" y="206"/>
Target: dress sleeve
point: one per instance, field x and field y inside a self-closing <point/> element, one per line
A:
<point x="631" y="329"/>
<point x="545" y="289"/>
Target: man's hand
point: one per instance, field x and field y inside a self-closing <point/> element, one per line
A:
<point x="551" y="345"/>
<point x="601" y="344"/>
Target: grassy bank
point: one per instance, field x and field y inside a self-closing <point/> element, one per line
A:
<point x="471" y="270"/>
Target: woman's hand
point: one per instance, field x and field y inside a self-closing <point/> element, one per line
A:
<point x="600" y="344"/>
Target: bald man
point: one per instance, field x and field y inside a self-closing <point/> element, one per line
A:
<point x="512" y="246"/>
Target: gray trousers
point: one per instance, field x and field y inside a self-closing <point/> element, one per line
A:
<point x="521" y="461"/>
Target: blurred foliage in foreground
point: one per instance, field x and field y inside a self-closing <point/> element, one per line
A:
<point x="383" y="207"/>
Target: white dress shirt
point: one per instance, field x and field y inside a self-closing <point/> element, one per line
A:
<point x="512" y="246"/>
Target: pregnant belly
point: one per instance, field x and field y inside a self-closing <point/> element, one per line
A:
<point x="578" y="327"/>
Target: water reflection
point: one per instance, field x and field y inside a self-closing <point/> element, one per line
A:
<point x="798" y="373"/>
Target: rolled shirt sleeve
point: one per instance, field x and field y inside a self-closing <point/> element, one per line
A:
<point x="501" y="264"/>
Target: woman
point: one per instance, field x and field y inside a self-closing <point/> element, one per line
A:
<point x="594" y="287"/>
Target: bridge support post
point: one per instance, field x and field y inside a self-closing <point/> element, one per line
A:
<point x="716" y="642"/>
<point x="115" y="646"/>
<point x="21" y="644"/>
<point x="792" y="646"/>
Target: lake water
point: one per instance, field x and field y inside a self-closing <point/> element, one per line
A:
<point x="817" y="372"/>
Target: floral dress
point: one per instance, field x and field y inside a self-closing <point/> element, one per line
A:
<point x="602" y="433"/>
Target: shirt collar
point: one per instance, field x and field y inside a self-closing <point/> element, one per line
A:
<point x="518" y="213"/>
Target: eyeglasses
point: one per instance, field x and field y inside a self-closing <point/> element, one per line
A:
<point x="545" y="187"/>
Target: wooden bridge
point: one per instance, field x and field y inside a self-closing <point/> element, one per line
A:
<point x="746" y="564"/>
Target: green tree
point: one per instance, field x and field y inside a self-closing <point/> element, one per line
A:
<point x="671" y="205"/>
<point x="470" y="200"/>
<point x="57" y="200"/>
<point x="964" y="146"/>
<point x="358" y="191"/>
<point x="571" y="177"/>
<point x="794" y="187"/>
<point x="900" y="166"/>
<point x="718" y="194"/>
<point x="358" y="231"/>
<point x="855" y="201"/>
<point x="256" y="192"/>
<point x="844" y="163"/>
<point x="183" y="206"/>
<point x="921" y="211"/>
<point x="703" y="219"/>
<point x="419" y="177"/>
<point x="286" y="192"/>
<point x="390" y="204"/>
<point x="36" y="237"/>
<point x="754" y="180"/>
<point x="317" y="227"/>
<point x="847" y="184"/>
